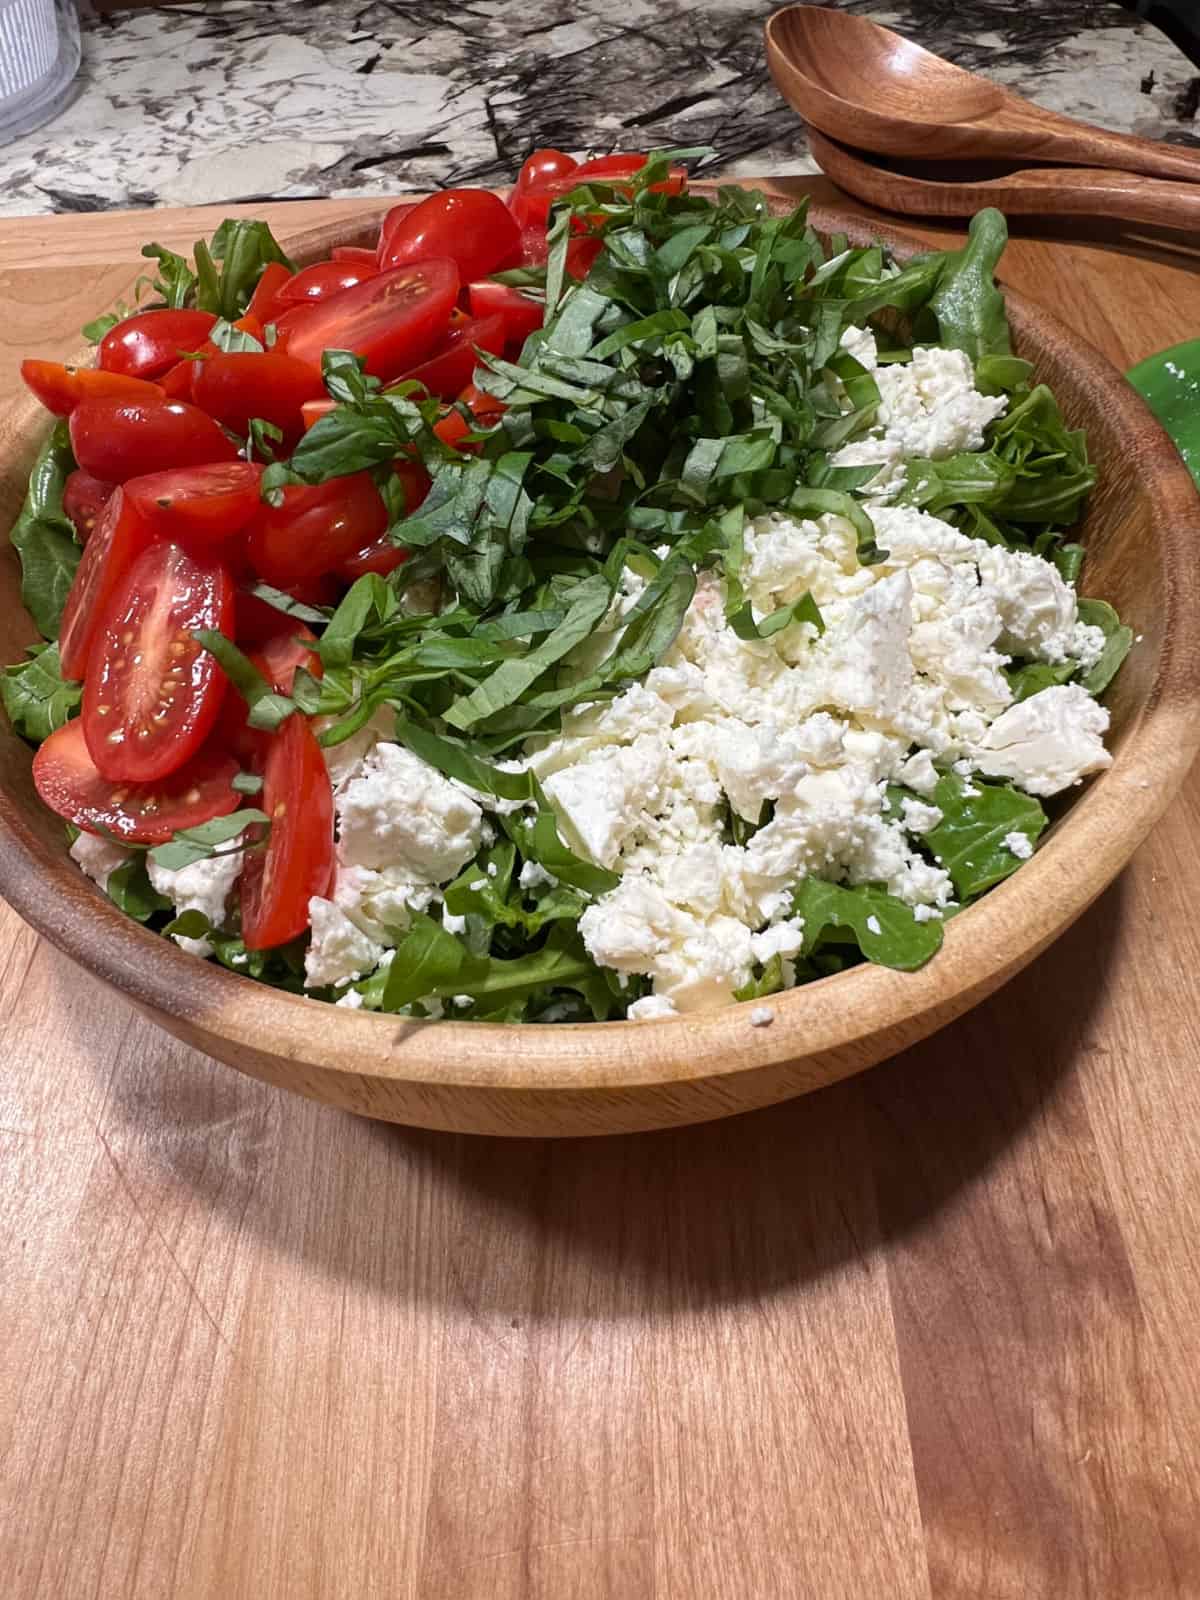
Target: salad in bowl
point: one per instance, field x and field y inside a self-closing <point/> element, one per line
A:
<point x="612" y="603"/>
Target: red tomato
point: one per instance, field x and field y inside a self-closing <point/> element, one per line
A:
<point x="451" y="428"/>
<point x="151" y="343"/>
<point x="607" y="169"/>
<point x="66" y="778"/>
<point x="321" y="281"/>
<point x="356" y="254"/>
<point x="581" y="252"/>
<point x="177" y="384"/>
<point x="473" y="228"/>
<point x="536" y="203"/>
<point x="454" y="365"/>
<point x="84" y="498"/>
<point x="240" y="384"/>
<point x="297" y="863"/>
<point x="117" y="540"/>
<point x="313" y="410"/>
<point x="381" y="555"/>
<point x="292" y="645"/>
<point x="521" y="314"/>
<point x="389" y="225"/>
<point x="315" y="529"/>
<point x="60" y="389"/>
<point x="118" y="439"/>
<point x="262" y="301"/>
<point x="542" y="167"/>
<point x="197" y="505"/>
<point x="258" y="621"/>
<point x="393" y="320"/>
<point x="152" y="693"/>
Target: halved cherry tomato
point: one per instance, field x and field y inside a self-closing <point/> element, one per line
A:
<point x="323" y="280"/>
<point x="262" y="301"/>
<point x="67" y="779"/>
<point x="258" y="620"/>
<point x="392" y="321"/>
<point x="581" y="252"/>
<point x="297" y="863"/>
<point x="236" y="385"/>
<point x="473" y="228"/>
<point x="198" y="505"/>
<point x="454" y="365"/>
<point x="389" y="225"/>
<point x="381" y="555"/>
<point x="356" y="254"/>
<point x="61" y="389"/>
<point x="152" y="693"/>
<point x="84" y="498"/>
<point x="540" y="168"/>
<point x="315" y="529"/>
<point x="177" y="383"/>
<point x="521" y="314"/>
<point x="149" y="344"/>
<point x="313" y="410"/>
<point x="451" y="428"/>
<point x="118" y="439"/>
<point x="292" y="645"/>
<point x="536" y="203"/>
<point x="117" y="540"/>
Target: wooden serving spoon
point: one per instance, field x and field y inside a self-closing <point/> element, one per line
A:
<point x="877" y="91"/>
<point x="1039" y="191"/>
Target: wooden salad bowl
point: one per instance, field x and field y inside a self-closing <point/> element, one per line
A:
<point x="1142" y="534"/>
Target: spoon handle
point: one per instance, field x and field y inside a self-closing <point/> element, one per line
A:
<point x="1050" y="136"/>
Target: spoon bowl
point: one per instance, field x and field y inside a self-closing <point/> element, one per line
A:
<point x="868" y="87"/>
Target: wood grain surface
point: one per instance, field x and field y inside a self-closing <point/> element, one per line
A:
<point x="933" y="1332"/>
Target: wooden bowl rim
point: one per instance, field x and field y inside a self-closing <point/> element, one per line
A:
<point x="848" y="1013"/>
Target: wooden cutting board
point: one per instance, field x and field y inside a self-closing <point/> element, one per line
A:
<point x="934" y="1332"/>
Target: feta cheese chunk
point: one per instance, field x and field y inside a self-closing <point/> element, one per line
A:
<point x="98" y="857"/>
<point x="1048" y="742"/>
<point x="203" y="886"/>
<point x="400" y="812"/>
<point x="339" y="952"/>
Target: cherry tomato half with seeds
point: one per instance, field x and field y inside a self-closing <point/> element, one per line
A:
<point x="471" y="227"/>
<point x="382" y="555"/>
<point x="61" y="388"/>
<point x="117" y="540"/>
<point x="84" y="498"/>
<point x="150" y="343"/>
<point x="119" y="439"/>
<point x="393" y="320"/>
<point x="198" y="505"/>
<point x="315" y="529"/>
<point x="237" y="385"/>
<point x="152" y="693"/>
<point x="323" y="280"/>
<point x="68" y="781"/>
<point x="452" y="367"/>
<point x="297" y="862"/>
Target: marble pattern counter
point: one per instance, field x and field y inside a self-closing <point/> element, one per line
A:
<point x="248" y="99"/>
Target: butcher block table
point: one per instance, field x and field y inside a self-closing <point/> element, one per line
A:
<point x="934" y="1332"/>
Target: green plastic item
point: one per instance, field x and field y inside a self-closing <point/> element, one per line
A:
<point x="1169" y="383"/>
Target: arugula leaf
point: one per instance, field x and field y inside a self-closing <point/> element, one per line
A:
<point x="966" y="302"/>
<point x="95" y="330"/>
<point x="36" y="696"/>
<point x="268" y="709"/>
<point x="882" y="927"/>
<point x="176" y="282"/>
<point x="1031" y="677"/>
<point x="243" y="247"/>
<point x="226" y="337"/>
<point x="43" y="535"/>
<point x="205" y="840"/>
<point x="969" y="840"/>
<point x="130" y="890"/>
<point x="1118" y="639"/>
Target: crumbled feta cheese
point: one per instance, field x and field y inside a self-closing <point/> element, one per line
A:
<point x="399" y="812"/>
<point x="344" y="761"/>
<point x="351" y="1000"/>
<point x="98" y="857"/>
<point x="925" y="913"/>
<point x="860" y="342"/>
<point x="873" y="926"/>
<point x="453" y="924"/>
<point x="649" y="1007"/>
<point x="533" y="875"/>
<point x="919" y="818"/>
<point x="1048" y="742"/>
<point x="204" y="886"/>
<point x="762" y="1017"/>
<point x="339" y="951"/>
<point x="1019" y="845"/>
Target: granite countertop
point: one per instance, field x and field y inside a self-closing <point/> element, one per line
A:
<point x="250" y="99"/>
